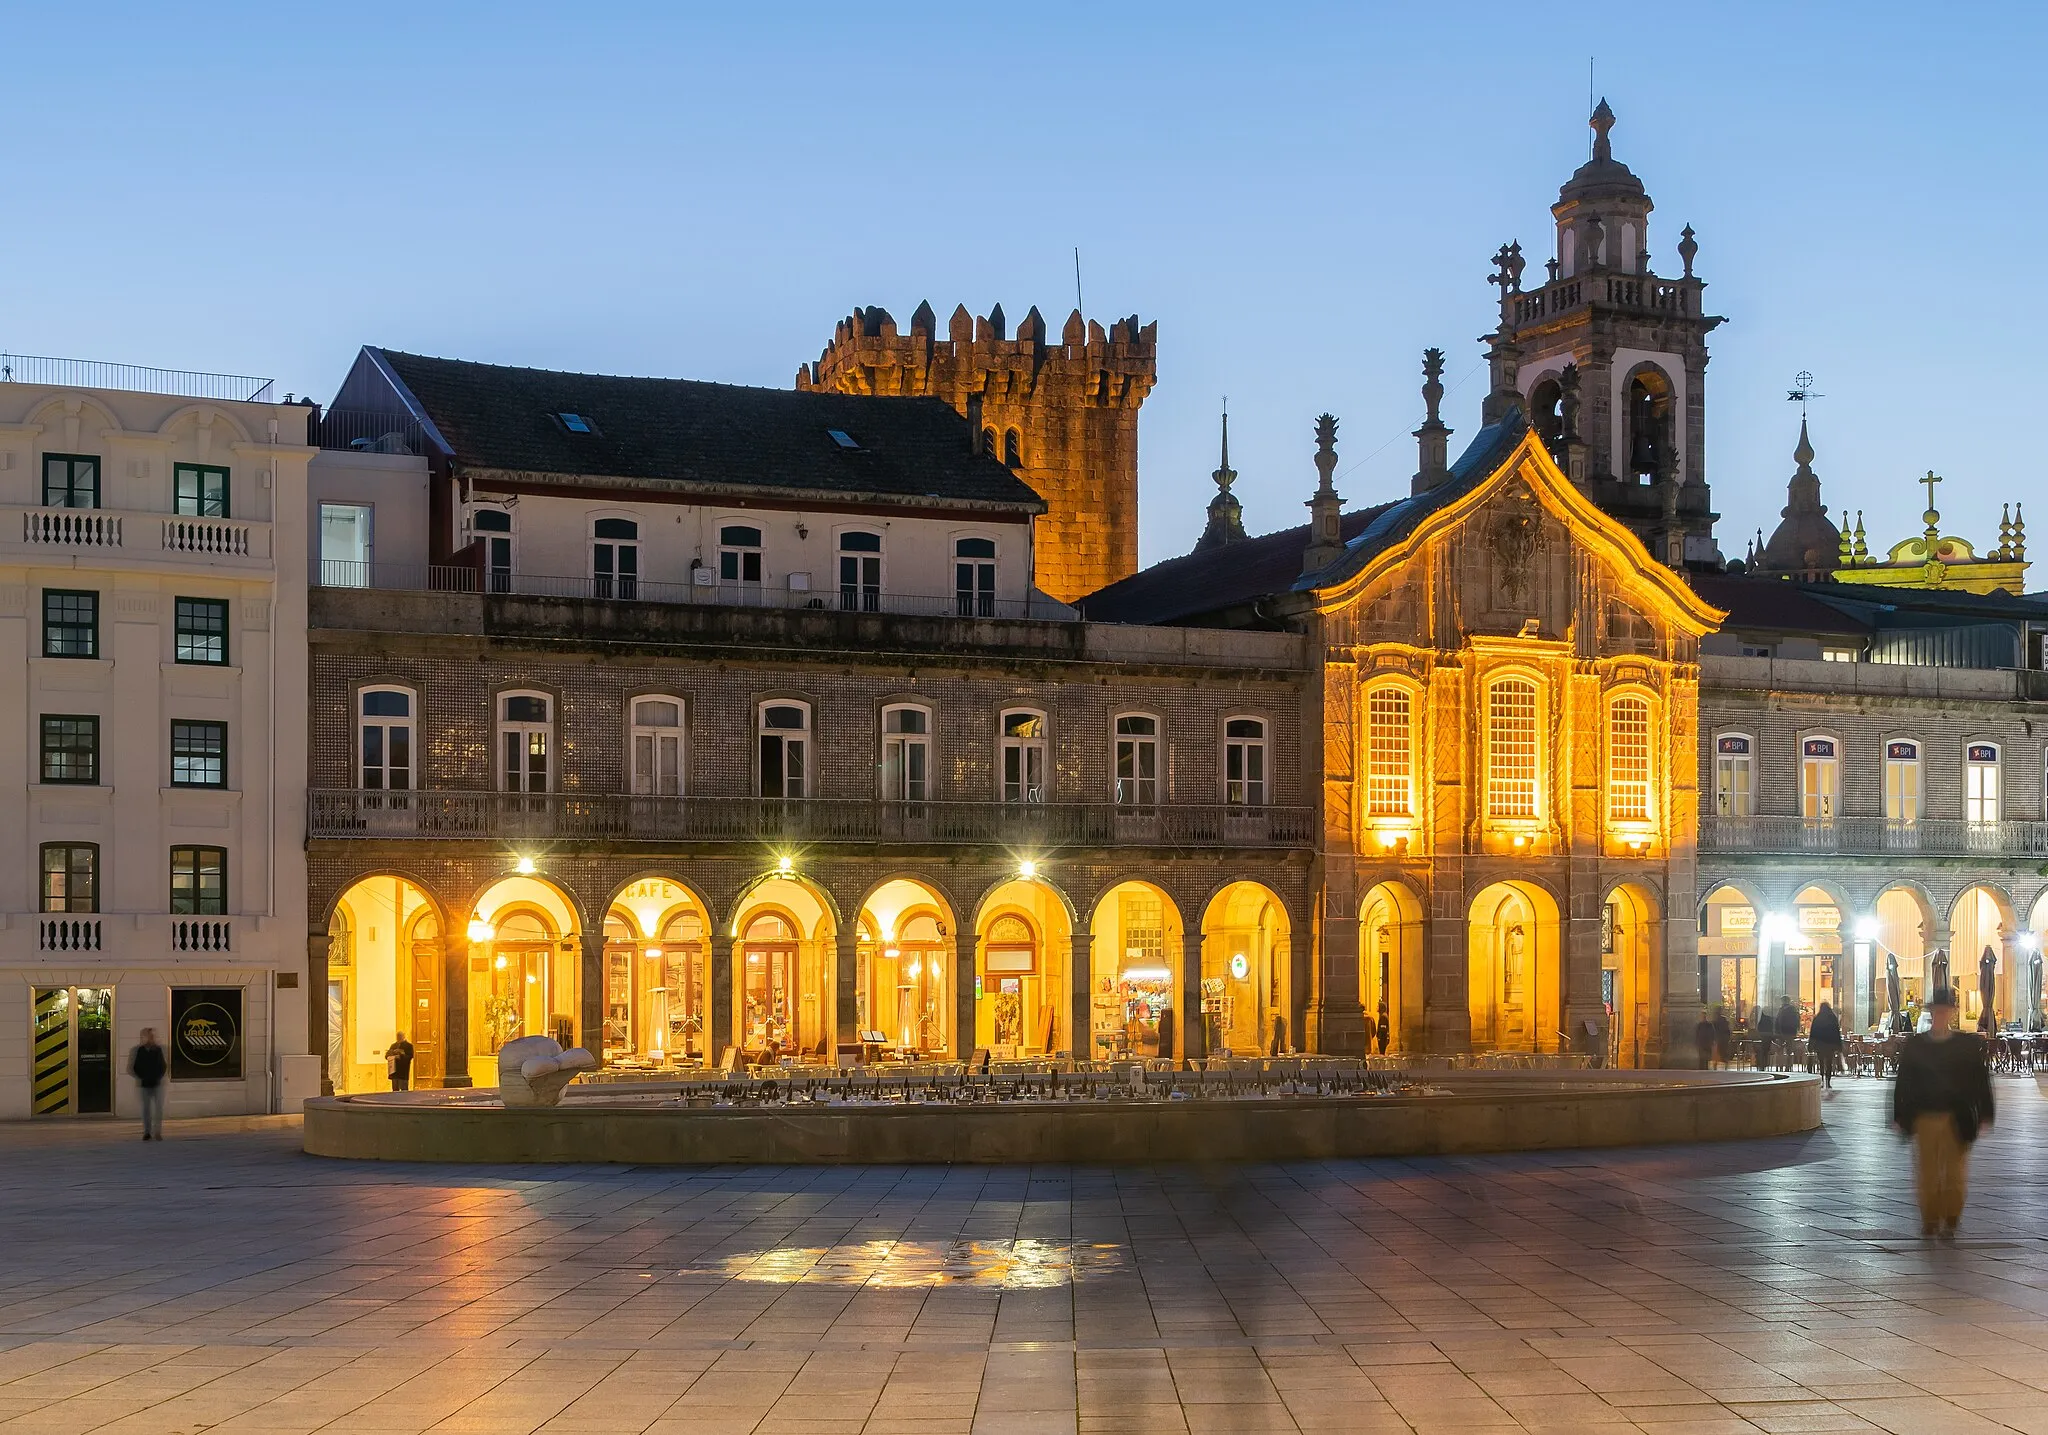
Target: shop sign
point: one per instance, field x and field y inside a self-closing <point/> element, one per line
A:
<point x="1983" y="752"/>
<point x="1736" y="920"/>
<point x="1240" y="969"/>
<point x="206" y="1033"/>
<point x="1818" y="747"/>
<point x="1902" y="751"/>
<point x="1820" y="919"/>
<point x="1732" y="745"/>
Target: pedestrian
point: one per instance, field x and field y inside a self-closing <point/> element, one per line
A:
<point x="1787" y="1031"/>
<point x="398" y="1063"/>
<point x="1703" y="1040"/>
<point x="1381" y="1032"/>
<point x="147" y="1065"/>
<point x="1724" y="1039"/>
<point x="1824" y="1038"/>
<point x="1165" y="1030"/>
<point x="1763" y="1039"/>
<point x="1942" y="1099"/>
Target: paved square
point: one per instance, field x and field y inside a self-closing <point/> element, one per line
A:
<point x="222" y="1281"/>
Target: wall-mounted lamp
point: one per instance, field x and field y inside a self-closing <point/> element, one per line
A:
<point x="654" y="951"/>
<point x="524" y="867"/>
<point x="785" y="865"/>
<point x="1867" y="929"/>
<point x="1521" y="840"/>
<point x="1777" y="927"/>
<point x="1027" y="869"/>
<point x="480" y="930"/>
<point x="2028" y="942"/>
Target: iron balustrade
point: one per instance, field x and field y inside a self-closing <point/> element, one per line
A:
<point x="94" y="374"/>
<point x="630" y="588"/>
<point x="368" y="431"/>
<point x="1873" y="836"/>
<point x="565" y="816"/>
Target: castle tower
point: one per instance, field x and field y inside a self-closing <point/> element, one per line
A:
<point x="1064" y="416"/>
<point x="1640" y="346"/>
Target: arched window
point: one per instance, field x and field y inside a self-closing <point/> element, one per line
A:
<point x="1902" y="785"/>
<point x="974" y="577"/>
<point x="1628" y="759"/>
<point x="657" y="747"/>
<point x="988" y="442"/>
<point x="1389" y="762"/>
<point x="1820" y="779"/>
<point x="1511" y="767"/>
<point x="384" y="730"/>
<point x="739" y="554"/>
<point x="1013" y="449"/>
<point x="1244" y="762"/>
<point x="1546" y="411"/>
<point x="1023" y="755"/>
<point x="860" y="572"/>
<point x="525" y="741"/>
<point x="615" y="558"/>
<point x="1137" y="760"/>
<point x="493" y="529"/>
<point x="784" y="742"/>
<point x="1651" y="418"/>
<point x="906" y="752"/>
<point x="1735" y="775"/>
<point x="1981" y="803"/>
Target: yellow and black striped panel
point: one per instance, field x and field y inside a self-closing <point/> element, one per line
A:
<point x="53" y="1051"/>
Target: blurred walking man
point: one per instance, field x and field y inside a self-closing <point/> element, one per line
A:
<point x="1942" y="1099"/>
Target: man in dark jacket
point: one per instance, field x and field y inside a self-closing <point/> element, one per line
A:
<point x="1942" y="1099"/>
<point x="147" y="1065"/>
<point x="1703" y="1041"/>
<point x="1763" y="1025"/>
<point x="1724" y="1039"/>
<point x="1787" y="1029"/>
<point x="398" y="1063"/>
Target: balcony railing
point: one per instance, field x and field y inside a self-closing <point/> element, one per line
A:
<point x="92" y="374"/>
<point x="1873" y="836"/>
<point x="450" y="578"/>
<point x="367" y="431"/>
<point x="139" y="534"/>
<point x="558" y="816"/>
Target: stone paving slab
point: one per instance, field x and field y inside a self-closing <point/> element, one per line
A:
<point x="224" y="1281"/>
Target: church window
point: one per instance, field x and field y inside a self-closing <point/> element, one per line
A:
<point x="1650" y="427"/>
<point x="1013" y="449"/>
<point x="1389" y="768"/>
<point x="1511" y="759"/>
<point x="1901" y="782"/>
<point x="1735" y="775"/>
<point x="1546" y="411"/>
<point x="1628" y="759"/>
<point x="1980" y="783"/>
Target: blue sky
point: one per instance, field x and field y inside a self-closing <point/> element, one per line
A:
<point x="1303" y="196"/>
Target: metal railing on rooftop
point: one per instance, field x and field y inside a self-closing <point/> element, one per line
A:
<point x="561" y="816"/>
<point x="368" y="431"/>
<point x="447" y="578"/>
<point x="93" y="374"/>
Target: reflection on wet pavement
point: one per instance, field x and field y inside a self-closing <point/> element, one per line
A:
<point x="991" y="1265"/>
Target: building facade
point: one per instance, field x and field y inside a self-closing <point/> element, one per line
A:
<point x="669" y="820"/>
<point x="152" y="611"/>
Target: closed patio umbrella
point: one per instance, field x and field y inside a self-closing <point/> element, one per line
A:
<point x="1893" y="993"/>
<point x="1987" y="989"/>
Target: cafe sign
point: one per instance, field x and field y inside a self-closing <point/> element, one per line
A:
<point x="206" y="1033"/>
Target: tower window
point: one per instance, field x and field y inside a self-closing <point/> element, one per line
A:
<point x="1651" y="442"/>
<point x="1013" y="449"/>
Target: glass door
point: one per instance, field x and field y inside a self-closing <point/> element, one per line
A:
<point x="74" y="1051"/>
<point x="768" y="996"/>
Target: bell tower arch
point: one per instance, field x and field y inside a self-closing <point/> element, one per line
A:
<point x="1609" y="359"/>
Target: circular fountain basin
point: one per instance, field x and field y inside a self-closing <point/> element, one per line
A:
<point x="1458" y="1112"/>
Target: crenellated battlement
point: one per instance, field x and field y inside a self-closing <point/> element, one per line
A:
<point x="1062" y="413"/>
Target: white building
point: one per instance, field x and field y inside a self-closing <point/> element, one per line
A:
<point x="153" y="630"/>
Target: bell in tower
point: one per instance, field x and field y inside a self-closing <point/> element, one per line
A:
<point x="1637" y="343"/>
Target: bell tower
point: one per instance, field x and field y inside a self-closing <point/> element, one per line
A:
<point x="1609" y="360"/>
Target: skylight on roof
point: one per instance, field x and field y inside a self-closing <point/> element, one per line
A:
<point x="842" y="438"/>
<point x="576" y="423"/>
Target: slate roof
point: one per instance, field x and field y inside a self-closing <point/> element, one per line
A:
<point x="1773" y="605"/>
<point x="1215" y="579"/>
<point x="684" y="433"/>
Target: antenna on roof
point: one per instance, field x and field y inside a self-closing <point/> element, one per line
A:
<point x="1077" y="282"/>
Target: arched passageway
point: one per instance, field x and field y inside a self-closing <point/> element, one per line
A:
<point x="1138" y="1005"/>
<point x="785" y="973"/>
<point x="1982" y="933"/>
<point x="1245" y="951"/>
<point x="1390" y="981"/>
<point x="1513" y="972"/>
<point x="657" y="977"/>
<point x="384" y="980"/>
<point x="525" y="970"/>
<point x="1728" y="952"/>
<point x="1023" y="968"/>
<point x="1631" y="942"/>
<point x="904" y="970"/>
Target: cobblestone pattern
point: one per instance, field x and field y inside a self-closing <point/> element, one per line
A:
<point x="223" y="1282"/>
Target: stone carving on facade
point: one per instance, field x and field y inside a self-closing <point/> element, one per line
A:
<point x="1514" y="537"/>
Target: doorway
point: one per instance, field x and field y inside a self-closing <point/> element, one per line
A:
<point x="74" y="1051"/>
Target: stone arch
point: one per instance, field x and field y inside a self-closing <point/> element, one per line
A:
<point x="1513" y="954"/>
<point x="385" y="976"/>
<point x="1649" y="416"/>
<point x="1983" y="930"/>
<point x="1730" y="914"/>
<point x="658" y="933"/>
<point x="907" y="982"/>
<point x="1632" y="949"/>
<point x="1035" y="992"/>
<point x="1391" y="959"/>
<point x="525" y="977"/>
<point x="785" y="989"/>
<point x="238" y="432"/>
<point x="1246" y="949"/>
<point x="1139" y="947"/>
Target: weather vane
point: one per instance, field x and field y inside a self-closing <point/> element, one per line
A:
<point x="1801" y="391"/>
